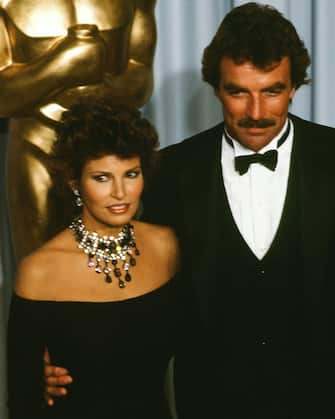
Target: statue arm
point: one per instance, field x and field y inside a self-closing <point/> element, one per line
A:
<point x="137" y="81"/>
<point x="143" y="35"/>
<point x="134" y="85"/>
<point x="5" y="50"/>
<point x="68" y="62"/>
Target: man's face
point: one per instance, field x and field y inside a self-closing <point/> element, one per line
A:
<point x="255" y="101"/>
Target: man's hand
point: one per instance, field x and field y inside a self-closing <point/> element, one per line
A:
<point x="55" y="379"/>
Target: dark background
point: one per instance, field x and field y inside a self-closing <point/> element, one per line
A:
<point x="3" y="125"/>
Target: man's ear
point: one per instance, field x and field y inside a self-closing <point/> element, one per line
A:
<point x="292" y="92"/>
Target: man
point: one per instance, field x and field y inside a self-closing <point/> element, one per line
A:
<point x="252" y="200"/>
<point x="51" y="54"/>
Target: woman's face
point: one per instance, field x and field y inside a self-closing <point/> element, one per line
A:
<point x="110" y="188"/>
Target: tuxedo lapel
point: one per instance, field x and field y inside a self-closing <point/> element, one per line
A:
<point x="317" y="208"/>
<point x="201" y="186"/>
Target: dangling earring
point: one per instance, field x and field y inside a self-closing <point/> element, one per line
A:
<point x="78" y="200"/>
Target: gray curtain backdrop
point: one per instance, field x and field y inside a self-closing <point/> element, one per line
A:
<point x="183" y="105"/>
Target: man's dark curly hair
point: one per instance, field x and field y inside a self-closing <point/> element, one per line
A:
<point x="90" y="130"/>
<point x="260" y="34"/>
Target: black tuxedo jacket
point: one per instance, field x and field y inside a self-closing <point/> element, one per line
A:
<point x="185" y="196"/>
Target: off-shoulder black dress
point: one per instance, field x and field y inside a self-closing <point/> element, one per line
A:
<point x="117" y="353"/>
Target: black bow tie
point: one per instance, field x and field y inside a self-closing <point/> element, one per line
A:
<point x="268" y="159"/>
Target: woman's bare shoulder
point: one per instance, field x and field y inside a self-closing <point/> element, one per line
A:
<point x="158" y="233"/>
<point x="37" y="270"/>
<point x="164" y="242"/>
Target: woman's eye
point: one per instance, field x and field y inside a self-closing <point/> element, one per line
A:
<point x="133" y="173"/>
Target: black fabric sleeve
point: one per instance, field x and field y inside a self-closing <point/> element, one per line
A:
<point x="160" y="198"/>
<point x="25" y="347"/>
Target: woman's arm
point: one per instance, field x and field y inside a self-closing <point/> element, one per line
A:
<point x="27" y="326"/>
<point x="25" y="359"/>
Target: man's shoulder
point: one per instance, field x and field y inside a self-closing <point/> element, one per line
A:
<point x="311" y="129"/>
<point x="192" y="145"/>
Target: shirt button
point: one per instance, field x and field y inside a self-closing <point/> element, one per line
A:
<point x="263" y="341"/>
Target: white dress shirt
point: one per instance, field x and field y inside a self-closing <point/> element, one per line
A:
<point x="256" y="198"/>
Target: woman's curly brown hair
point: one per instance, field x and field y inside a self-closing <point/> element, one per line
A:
<point x="90" y="130"/>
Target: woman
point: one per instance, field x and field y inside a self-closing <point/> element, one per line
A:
<point x="101" y="295"/>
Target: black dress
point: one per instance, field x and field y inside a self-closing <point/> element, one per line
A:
<point x="117" y="353"/>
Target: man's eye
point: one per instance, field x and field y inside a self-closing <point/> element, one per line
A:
<point x="235" y="93"/>
<point x="274" y="92"/>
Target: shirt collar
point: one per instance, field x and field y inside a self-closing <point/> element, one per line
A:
<point x="240" y="150"/>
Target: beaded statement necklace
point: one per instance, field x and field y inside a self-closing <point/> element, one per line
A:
<point x="105" y="253"/>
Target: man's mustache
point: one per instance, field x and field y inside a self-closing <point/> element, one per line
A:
<point x="251" y="123"/>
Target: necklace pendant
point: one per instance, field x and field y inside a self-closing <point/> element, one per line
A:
<point x="108" y="278"/>
<point x="104" y="252"/>
<point x="90" y="263"/>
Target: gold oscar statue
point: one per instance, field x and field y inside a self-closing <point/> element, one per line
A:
<point x="53" y="52"/>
